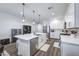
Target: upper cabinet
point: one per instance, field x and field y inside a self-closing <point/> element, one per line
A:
<point x="69" y="16"/>
<point x="72" y="16"/>
<point x="76" y="14"/>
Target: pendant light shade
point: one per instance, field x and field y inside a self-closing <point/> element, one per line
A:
<point x="39" y="20"/>
<point x="23" y="17"/>
<point x="33" y="16"/>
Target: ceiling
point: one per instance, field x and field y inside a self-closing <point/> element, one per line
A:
<point x="15" y="9"/>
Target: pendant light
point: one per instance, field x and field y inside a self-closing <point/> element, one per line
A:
<point x="33" y="16"/>
<point x="23" y="17"/>
<point x="39" y="20"/>
<point x="51" y="9"/>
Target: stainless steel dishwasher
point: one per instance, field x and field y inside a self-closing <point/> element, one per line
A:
<point x="33" y="46"/>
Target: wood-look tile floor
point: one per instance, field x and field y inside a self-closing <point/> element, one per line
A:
<point x="11" y="49"/>
<point x="52" y="51"/>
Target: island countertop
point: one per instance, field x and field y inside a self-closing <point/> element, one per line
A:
<point x="69" y="39"/>
<point x="26" y="36"/>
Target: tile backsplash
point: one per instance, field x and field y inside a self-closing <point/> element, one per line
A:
<point x="77" y="34"/>
<point x="69" y="31"/>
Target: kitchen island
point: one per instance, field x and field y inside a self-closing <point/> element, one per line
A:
<point x="26" y="44"/>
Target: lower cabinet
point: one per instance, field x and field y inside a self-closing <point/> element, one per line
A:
<point x="68" y="49"/>
<point x="42" y="38"/>
<point x="27" y="47"/>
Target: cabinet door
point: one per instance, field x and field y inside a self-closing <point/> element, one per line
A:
<point x="69" y="17"/>
<point x="76" y="14"/>
<point x="40" y="40"/>
<point x="68" y="49"/>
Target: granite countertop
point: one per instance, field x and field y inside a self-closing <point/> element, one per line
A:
<point x="64" y="34"/>
<point x="70" y="39"/>
<point x="26" y="36"/>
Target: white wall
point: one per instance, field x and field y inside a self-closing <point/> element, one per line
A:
<point x="7" y="22"/>
<point x="34" y="28"/>
<point x="40" y="28"/>
<point x="56" y="24"/>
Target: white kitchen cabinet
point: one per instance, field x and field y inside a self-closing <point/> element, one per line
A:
<point x="76" y="5"/>
<point x="56" y="33"/>
<point x="26" y="44"/>
<point x="42" y="38"/>
<point x="69" y="17"/>
<point x="69" y="49"/>
<point x="69" y="45"/>
<point x="72" y="16"/>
